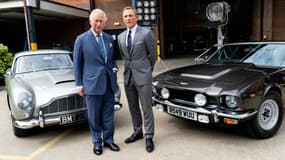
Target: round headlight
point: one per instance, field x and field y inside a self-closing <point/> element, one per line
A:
<point x="200" y="99"/>
<point x="165" y="93"/>
<point x="231" y="101"/>
<point x="24" y="100"/>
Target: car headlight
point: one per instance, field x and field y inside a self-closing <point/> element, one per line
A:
<point x="231" y="101"/>
<point x="24" y="100"/>
<point x="165" y="93"/>
<point x="200" y="99"/>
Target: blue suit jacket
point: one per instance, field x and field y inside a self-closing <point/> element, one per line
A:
<point x="90" y="69"/>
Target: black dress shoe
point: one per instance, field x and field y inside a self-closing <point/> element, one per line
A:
<point x="112" y="146"/>
<point x="134" y="137"/>
<point x="97" y="150"/>
<point x="149" y="145"/>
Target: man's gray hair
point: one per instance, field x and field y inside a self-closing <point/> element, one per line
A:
<point x="97" y="10"/>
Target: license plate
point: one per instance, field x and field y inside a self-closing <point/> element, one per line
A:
<point x="71" y="118"/>
<point x="182" y="113"/>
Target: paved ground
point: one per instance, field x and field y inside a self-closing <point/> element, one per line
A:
<point x="174" y="139"/>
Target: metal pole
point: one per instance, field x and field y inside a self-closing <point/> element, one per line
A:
<point x="27" y="25"/>
<point x="31" y="22"/>
<point x="92" y="5"/>
<point x="220" y="37"/>
<point x="30" y="27"/>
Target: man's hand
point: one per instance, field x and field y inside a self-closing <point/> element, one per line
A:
<point x="81" y="91"/>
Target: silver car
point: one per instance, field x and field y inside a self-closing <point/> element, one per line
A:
<point x="41" y="91"/>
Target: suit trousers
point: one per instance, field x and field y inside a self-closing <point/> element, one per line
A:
<point x="136" y="95"/>
<point x="101" y="116"/>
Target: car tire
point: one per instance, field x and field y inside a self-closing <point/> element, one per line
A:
<point x="268" y="119"/>
<point x="18" y="132"/>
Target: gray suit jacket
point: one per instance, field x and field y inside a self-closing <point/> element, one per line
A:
<point x="140" y="62"/>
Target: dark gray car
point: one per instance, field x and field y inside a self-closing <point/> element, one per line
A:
<point x="240" y="83"/>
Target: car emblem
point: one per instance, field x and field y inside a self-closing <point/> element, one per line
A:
<point x="183" y="83"/>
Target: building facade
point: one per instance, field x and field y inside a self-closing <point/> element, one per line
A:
<point x="180" y="26"/>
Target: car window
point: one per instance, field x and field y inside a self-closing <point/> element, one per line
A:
<point x="232" y="53"/>
<point x="206" y="55"/>
<point x="271" y="55"/>
<point x="31" y="63"/>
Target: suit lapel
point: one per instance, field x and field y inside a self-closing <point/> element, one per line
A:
<point x="135" y="39"/>
<point x="124" y="43"/>
<point x="107" y="45"/>
<point x="136" y="36"/>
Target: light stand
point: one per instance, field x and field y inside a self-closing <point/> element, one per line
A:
<point x="218" y="11"/>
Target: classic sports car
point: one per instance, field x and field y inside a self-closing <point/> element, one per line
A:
<point x="41" y="91"/>
<point x="241" y="83"/>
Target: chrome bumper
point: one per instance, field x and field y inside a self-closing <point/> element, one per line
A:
<point x="214" y="112"/>
<point x="42" y="121"/>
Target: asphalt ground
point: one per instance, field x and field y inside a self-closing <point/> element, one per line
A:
<point x="174" y="138"/>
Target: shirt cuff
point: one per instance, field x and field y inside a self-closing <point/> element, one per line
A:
<point x="115" y="69"/>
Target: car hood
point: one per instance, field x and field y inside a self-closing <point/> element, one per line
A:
<point x="46" y="85"/>
<point x="212" y="78"/>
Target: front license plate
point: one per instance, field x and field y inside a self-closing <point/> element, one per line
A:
<point x="71" y="118"/>
<point x="182" y="113"/>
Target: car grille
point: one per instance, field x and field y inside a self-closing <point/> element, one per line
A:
<point x="65" y="104"/>
<point x="176" y="95"/>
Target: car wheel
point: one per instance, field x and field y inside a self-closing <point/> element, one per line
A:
<point x="269" y="117"/>
<point x="18" y="132"/>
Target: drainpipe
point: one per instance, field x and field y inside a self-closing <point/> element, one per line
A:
<point x="30" y="27"/>
<point x="261" y="20"/>
<point x="92" y="5"/>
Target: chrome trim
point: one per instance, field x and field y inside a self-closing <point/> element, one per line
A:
<point x="46" y="121"/>
<point x="26" y="124"/>
<point x="41" y="119"/>
<point x="211" y="111"/>
<point x="117" y="106"/>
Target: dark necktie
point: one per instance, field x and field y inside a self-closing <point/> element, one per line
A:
<point x="101" y="47"/>
<point x="129" y="43"/>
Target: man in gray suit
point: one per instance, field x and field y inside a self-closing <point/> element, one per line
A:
<point x="138" y="49"/>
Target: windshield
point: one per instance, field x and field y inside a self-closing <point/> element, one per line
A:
<point x="271" y="55"/>
<point x="32" y="63"/>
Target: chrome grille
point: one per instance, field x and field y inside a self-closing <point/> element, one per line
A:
<point x="65" y="104"/>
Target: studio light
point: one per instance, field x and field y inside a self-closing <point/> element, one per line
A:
<point x="218" y="12"/>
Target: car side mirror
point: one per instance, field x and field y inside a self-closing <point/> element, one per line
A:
<point x="8" y="72"/>
<point x="200" y="60"/>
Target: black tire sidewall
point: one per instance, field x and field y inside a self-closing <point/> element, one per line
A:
<point x="257" y="131"/>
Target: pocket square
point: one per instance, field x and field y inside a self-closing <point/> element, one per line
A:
<point x="139" y="42"/>
<point x="110" y="45"/>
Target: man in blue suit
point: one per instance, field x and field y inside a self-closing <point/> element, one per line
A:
<point x="95" y="72"/>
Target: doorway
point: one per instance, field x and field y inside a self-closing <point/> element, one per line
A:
<point x="187" y="31"/>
